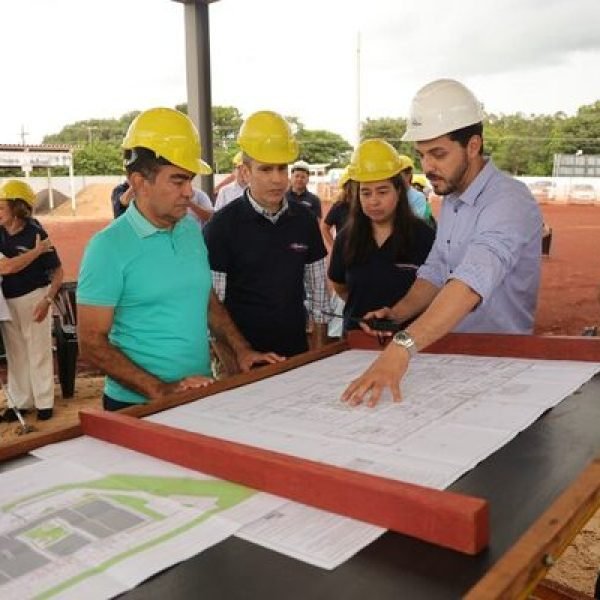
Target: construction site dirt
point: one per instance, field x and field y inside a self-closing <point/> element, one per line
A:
<point x="568" y="303"/>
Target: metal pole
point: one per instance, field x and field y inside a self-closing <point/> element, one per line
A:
<point x="72" y="186"/>
<point x="197" y="50"/>
<point x="358" y="88"/>
<point x="50" y="191"/>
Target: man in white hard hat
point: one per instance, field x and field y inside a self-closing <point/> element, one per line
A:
<point x="298" y="191"/>
<point x="483" y="272"/>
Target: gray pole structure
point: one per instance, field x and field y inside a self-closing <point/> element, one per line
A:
<point x="197" y="59"/>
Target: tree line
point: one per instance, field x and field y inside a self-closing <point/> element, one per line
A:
<point x="519" y="144"/>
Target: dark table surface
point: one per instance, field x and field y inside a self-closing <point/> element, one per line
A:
<point x="520" y="481"/>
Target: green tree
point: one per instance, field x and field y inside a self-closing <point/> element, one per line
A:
<point x="101" y="158"/>
<point x="391" y="130"/>
<point x="581" y="132"/>
<point x="323" y="147"/>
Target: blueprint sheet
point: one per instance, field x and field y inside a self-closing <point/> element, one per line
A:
<point x="456" y="411"/>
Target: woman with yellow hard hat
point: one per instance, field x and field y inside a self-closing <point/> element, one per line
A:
<point x="31" y="277"/>
<point x="376" y="256"/>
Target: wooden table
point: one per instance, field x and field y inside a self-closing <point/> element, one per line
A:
<point x="523" y="482"/>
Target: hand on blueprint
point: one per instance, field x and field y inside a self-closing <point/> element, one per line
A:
<point x="247" y="358"/>
<point x="385" y="372"/>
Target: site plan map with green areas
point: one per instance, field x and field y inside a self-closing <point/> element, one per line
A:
<point x="56" y="540"/>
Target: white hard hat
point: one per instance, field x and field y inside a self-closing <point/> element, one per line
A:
<point x="440" y="107"/>
<point x="301" y="165"/>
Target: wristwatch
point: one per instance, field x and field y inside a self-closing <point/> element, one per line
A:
<point x="403" y="338"/>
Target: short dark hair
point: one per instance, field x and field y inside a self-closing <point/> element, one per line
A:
<point x="144" y="161"/>
<point x="463" y="135"/>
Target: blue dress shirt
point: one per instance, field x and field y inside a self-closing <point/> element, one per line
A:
<point x="489" y="237"/>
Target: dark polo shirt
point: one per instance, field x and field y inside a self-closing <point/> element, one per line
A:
<point x="264" y="263"/>
<point x="35" y="275"/>
<point x="383" y="278"/>
<point x="307" y="199"/>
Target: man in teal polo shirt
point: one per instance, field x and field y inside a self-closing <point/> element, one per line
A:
<point x="144" y="293"/>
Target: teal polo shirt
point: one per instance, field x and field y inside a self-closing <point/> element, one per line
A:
<point x="158" y="281"/>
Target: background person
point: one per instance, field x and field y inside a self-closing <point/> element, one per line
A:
<point x="298" y="190"/>
<point x="235" y="188"/>
<point x="200" y="207"/>
<point x="120" y="198"/>
<point x="376" y="256"/>
<point x="337" y="215"/>
<point x="416" y="199"/>
<point x="266" y="253"/>
<point x="31" y="277"/>
<point x="144" y="295"/>
<point x="483" y="272"/>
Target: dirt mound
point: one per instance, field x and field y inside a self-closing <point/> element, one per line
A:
<point x="42" y="206"/>
<point x="92" y="201"/>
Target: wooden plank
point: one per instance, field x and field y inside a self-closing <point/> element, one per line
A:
<point x="518" y="571"/>
<point x="445" y="518"/>
<point x="502" y="345"/>
<point x="32" y="441"/>
<point x="552" y="590"/>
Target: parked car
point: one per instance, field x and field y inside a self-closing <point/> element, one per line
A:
<point x="582" y="192"/>
<point x="543" y="190"/>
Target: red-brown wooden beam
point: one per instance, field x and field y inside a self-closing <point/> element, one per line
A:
<point x="440" y="517"/>
<point x="501" y="345"/>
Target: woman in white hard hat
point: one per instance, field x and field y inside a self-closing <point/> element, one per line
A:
<point x="31" y="278"/>
<point x="376" y="256"/>
<point x="482" y="275"/>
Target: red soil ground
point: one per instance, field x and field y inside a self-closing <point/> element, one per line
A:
<point x="568" y="299"/>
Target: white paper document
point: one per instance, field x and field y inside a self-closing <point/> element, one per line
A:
<point x="93" y="520"/>
<point x="455" y="411"/>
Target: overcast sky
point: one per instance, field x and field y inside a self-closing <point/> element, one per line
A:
<point x="70" y="60"/>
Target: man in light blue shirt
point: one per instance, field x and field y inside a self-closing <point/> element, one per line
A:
<point x="483" y="272"/>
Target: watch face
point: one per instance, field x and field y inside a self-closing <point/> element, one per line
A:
<point x="402" y="338"/>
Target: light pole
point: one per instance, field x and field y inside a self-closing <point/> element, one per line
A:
<point x="197" y="51"/>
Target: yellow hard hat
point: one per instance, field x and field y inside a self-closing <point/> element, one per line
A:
<point x="169" y="134"/>
<point x="267" y="137"/>
<point x="407" y="162"/>
<point x="237" y="159"/>
<point x="421" y="180"/>
<point x="374" y="160"/>
<point x="13" y="189"/>
<point x="344" y="177"/>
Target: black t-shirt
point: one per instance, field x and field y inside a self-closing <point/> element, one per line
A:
<point x="338" y="215"/>
<point x="306" y="199"/>
<point x="264" y="263"/>
<point x="35" y="275"/>
<point x="383" y="279"/>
